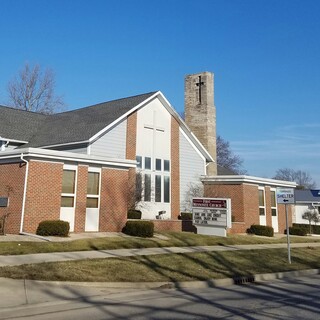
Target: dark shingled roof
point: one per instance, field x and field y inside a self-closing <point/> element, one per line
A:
<point x="18" y="124"/>
<point x="307" y="195"/>
<point x="72" y="126"/>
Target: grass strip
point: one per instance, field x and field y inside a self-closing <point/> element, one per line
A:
<point x="175" y="239"/>
<point x="170" y="267"/>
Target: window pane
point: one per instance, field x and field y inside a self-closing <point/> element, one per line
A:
<point x="166" y="182"/>
<point x="158" y="188"/>
<point x="158" y="164"/>
<point x="139" y="160"/>
<point x="261" y="211"/>
<point x="147" y="163"/>
<point x="166" y="165"/>
<point x="93" y="183"/>
<point x="274" y="212"/>
<point x="68" y="181"/>
<point x="261" y="198"/>
<point x="92" y="202"/>
<point x="147" y="187"/>
<point x="67" y="202"/>
<point x="138" y="190"/>
<point x="273" y="199"/>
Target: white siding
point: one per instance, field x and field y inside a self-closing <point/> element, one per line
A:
<point x="299" y="210"/>
<point x="192" y="166"/>
<point x="82" y="149"/>
<point x="111" y="144"/>
<point x="154" y="141"/>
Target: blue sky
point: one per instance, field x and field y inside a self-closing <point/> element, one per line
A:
<point x="264" y="54"/>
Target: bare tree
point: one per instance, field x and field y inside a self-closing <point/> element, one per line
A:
<point x="302" y="178"/>
<point x="226" y="158"/>
<point x="311" y="216"/>
<point x="33" y="90"/>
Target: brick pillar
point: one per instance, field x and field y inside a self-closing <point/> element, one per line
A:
<point x="175" y="170"/>
<point x="81" y="199"/>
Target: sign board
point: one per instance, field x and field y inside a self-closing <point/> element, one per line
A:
<point x="4" y="202"/>
<point x="285" y="195"/>
<point x="213" y="214"/>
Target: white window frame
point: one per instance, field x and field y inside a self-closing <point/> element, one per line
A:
<point x="275" y="200"/>
<point x="264" y="201"/>
<point x="69" y="167"/>
<point x="95" y="196"/>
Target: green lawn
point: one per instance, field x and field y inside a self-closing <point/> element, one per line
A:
<point x="178" y="239"/>
<point x="170" y="267"/>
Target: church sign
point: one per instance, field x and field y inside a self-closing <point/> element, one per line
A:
<point x="211" y="216"/>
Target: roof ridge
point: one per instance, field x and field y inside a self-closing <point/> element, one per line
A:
<point x="100" y="103"/>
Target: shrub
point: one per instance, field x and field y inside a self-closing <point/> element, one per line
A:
<point x="315" y="228"/>
<point x="186" y="215"/>
<point x="261" y="230"/>
<point x="142" y="229"/>
<point x="134" y="214"/>
<point x="53" y="228"/>
<point x="297" y="231"/>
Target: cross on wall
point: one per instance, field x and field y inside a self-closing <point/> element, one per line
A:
<point x="200" y="84"/>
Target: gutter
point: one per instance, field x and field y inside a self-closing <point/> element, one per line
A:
<point x="24" y="191"/>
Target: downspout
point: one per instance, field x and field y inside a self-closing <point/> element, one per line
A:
<point x="24" y="191"/>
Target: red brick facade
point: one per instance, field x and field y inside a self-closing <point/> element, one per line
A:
<point x="175" y="170"/>
<point x="43" y="194"/>
<point x="12" y="186"/>
<point x="245" y="205"/>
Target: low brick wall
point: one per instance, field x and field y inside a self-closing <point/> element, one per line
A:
<point x="237" y="227"/>
<point x="174" y="225"/>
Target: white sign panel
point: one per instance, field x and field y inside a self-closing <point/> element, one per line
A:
<point x="285" y="195"/>
<point x="209" y="212"/>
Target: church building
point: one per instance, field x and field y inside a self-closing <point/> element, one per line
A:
<point x="88" y="166"/>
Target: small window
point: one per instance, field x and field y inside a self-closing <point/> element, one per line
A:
<point x="147" y="187"/>
<point x="92" y="202"/>
<point x="274" y="212"/>
<point x="261" y="198"/>
<point x="67" y="202"/>
<point x="93" y="183"/>
<point x="158" y="164"/>
<point x="261" y="211"/>
<point x="147" y="163"/>
<point x="139" y="160"/>
<point x="158" y="188"/>
<point x="166" y="165"/>
<point x="166" y="191"/>
<point x="68" y="181"/>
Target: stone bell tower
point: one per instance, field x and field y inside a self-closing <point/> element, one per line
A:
<point x="200" y="113"/>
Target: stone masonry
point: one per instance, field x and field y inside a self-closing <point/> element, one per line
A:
<point x="200" y="113"/>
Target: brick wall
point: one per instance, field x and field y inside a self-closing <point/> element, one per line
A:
<point x="12" y="178"/>
<point x="245" y="205"/>
<point x="131" y="137"/>
<point x="167" y="225"/>
<point x="175" y="170"/>
<point x="43" y="194"/>
<point x="81" y="199"/>
<point x="113" y="207"/>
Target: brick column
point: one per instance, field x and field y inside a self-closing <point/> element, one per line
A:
<point x="81" y="199"/>
<point x="175" y="170"/>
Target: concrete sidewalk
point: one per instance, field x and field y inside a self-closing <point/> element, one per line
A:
<point x="15" y="260"/>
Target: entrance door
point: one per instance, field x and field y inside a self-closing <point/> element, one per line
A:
<point x="93" y="200"/>
<point x="69" y="181"/>
<point x="274" y="211"/>
<point x="262" y="207"/>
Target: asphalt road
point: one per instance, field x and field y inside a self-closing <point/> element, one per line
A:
<point x="280" y="299"/>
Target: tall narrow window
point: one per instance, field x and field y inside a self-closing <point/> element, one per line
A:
<point x="139" y="160"/>
<point x="68" y="188"/>
<point x="93" y="190"/>
<point x="166" y="188"/>
<point x="158" y="164"/>
<point x="158" y="188"/>
<point x="147" y="187"/>
<point x="262" y="211"/>
<point x="147" y="163"/>
<point x="166" y="165"/>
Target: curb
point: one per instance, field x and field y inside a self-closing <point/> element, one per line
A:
<point x="258" y="278"/>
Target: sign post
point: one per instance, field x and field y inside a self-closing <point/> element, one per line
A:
<point x="286" y="196"/>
